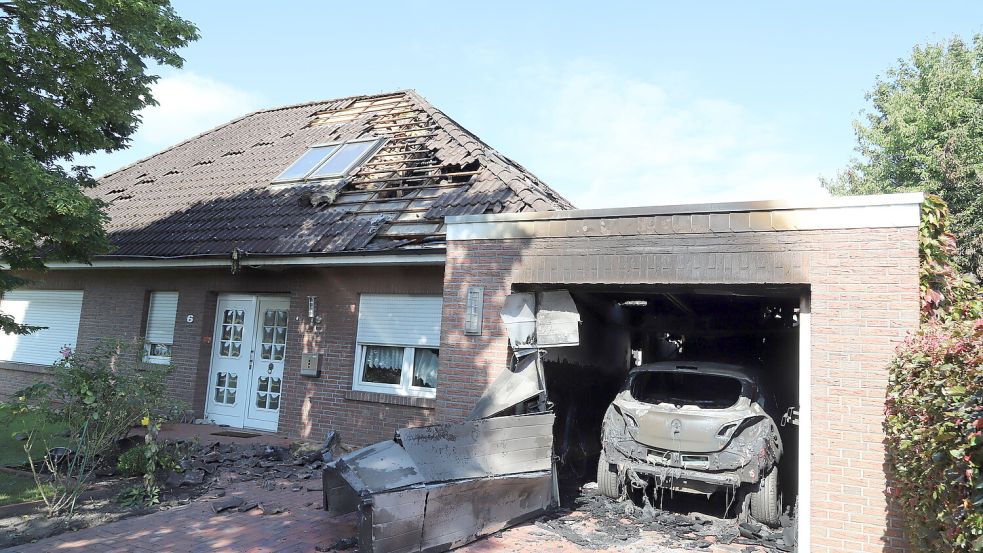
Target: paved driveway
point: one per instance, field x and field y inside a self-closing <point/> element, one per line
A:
<point x="302" y="528"/>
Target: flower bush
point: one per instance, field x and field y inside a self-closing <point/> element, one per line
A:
<point x="934" y="409"/>
<point x="99" y="395"/>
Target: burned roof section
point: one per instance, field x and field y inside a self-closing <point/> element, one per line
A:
<point x="214" y="193"/>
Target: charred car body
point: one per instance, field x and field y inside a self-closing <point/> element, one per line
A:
<point x="697" y="427"/>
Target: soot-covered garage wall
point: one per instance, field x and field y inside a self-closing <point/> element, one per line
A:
<point x="858" y="257"/>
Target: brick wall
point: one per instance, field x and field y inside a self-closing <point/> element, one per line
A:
<point x="114" y="305"/>
<point x="864" y="293"/>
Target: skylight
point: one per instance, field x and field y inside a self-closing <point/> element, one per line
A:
<point x="327" y="161"/>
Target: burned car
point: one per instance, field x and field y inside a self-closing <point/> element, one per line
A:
<point x="696" y="427"/>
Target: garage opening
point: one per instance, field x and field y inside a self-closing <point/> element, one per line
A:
<point x="707" y="347"/>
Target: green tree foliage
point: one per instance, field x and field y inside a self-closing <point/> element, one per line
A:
<point x="74" y="78"/>
<point x="934" y="409"/>
<point x="925" y="132"/>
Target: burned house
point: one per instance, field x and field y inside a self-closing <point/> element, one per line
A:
<point x="344" y="265"/>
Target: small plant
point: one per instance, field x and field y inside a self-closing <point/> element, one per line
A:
<point x="138" y="495"/>
<point x="134" y="461"/>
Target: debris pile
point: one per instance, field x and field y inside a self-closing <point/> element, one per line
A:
<point x="208" y="468"/>
<point x="598" y="522"/>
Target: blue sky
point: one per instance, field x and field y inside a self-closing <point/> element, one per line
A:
<point x="612" y="103"/>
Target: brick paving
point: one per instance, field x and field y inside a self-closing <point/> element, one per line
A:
<point x="194" y="528"/>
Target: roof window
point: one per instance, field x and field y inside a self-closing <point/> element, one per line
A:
<point x="329" y="161"/>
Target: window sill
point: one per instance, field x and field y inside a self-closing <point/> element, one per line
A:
<point x="25" y="367"/>
<point x="390" y="399"/>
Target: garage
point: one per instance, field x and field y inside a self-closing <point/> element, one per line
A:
<point x="690" y="333"/>
<point x="812" y="297"/>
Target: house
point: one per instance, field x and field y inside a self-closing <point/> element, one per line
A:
<point x="310" y="235"/>
<point x="342" y="265"/>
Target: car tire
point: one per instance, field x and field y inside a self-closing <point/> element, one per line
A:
<point x="608" y="482"/>
<point x="765" y="504"/>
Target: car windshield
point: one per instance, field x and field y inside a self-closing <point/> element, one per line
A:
<point x="708" y="391"/>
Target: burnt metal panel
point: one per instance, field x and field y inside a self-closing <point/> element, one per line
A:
<point x="519" y="316"/>
<point x="541" y="320"/>
<point x="512" y="387"/>
<point x="460" y="512"/>
<point x="479" y="448"/>
<point x="557" y="320"/>
<point x="379" y="467"/>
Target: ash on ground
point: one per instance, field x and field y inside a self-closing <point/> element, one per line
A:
<point x="594" y="521"/>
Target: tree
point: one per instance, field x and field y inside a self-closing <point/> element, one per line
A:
<point x="74" y="76"/>
<point x="925" y="132"/>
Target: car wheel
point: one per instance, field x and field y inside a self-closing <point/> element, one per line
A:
<point x="608" y="481"/>
<point x="765" y="505"/>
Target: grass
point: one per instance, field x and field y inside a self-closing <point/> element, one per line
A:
<point x="12" y="450"/>
<point x="17" y="489"/>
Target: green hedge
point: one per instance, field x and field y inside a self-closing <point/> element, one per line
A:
<point x="935" y="435"/>
<point x="934" y="410"/>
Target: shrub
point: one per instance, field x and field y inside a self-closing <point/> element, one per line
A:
<point x="98" y="395"/>
<point x="935" y="435"/>
<point x="934" y="408"/>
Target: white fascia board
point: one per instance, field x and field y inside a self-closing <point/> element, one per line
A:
<point x="284" y="261"/>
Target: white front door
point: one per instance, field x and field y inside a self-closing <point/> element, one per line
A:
<point x="248" y="349"/>
<point x="266" y="383"/>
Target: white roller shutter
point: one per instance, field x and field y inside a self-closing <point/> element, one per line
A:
<point x="160" y="317"/>
<point x="396" y="320"/>
<point x="59" y="310"/>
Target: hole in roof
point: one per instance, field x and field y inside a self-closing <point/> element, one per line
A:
<point x="172" y="172"/>
<point x="262" y="143"/>
<point x="203" y="162"/>
<point x="233" y="153"/>
<point x="288" y="135"/>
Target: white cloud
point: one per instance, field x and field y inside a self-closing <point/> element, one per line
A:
<point x="188" y="104"/>
<point x="605" y="140"/>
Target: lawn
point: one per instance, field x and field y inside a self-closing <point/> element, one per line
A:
<point x="17" y="489"/>
<point x="12" y="450"/>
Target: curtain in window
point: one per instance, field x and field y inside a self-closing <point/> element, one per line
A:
<point x="425" y="363"/>
<point x="382" y="364"/>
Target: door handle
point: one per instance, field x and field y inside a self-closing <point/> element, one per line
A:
<point x="269" y="370"/>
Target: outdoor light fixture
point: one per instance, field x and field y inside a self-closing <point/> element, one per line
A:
<point x="312" y="309"/>
<point x="634" y="303"/>
<point x="473" y="310"/>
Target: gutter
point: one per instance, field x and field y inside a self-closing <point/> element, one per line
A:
<point x="210" y="261"/>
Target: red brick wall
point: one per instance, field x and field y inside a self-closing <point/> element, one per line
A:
<point x="114" y="305"/>
<point x="864" y="291"/>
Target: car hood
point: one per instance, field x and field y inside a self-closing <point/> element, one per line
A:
<point x="688" y="428"/>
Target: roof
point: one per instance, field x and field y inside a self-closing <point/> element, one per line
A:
<point x="211" y="194"/>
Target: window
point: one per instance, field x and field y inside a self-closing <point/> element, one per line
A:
<point x="397" y="369"/>
<point x="397" y="344"/>
<point x="58" y="311"/>
<point x="159" y="337"/>
<point x="328" y="161"/>
<point x="708" y="391"/>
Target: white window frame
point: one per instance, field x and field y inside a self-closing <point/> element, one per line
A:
<point x="148" y="346"/>
<point x="280" y="180"/>
<point x="405" y="387"/>
<point x="156" y="359"/>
